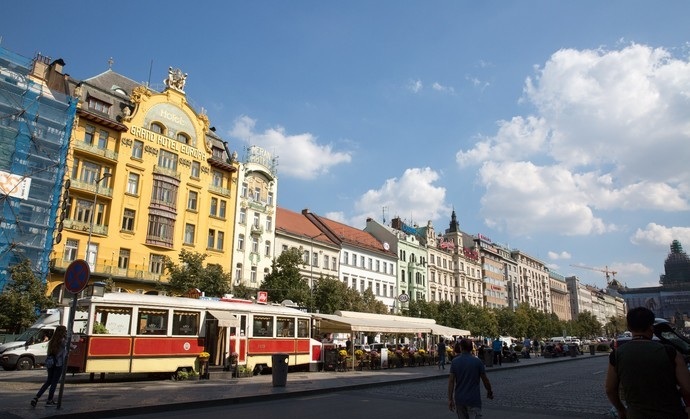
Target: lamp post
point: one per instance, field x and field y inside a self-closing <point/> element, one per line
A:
<point x="93" y="217"/>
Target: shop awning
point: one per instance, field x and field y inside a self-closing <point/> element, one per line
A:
<point x="225" y="319"/>
<point x="445" y="331"/>
<point x="340" y="324"/>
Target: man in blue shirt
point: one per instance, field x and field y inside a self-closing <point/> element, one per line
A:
<point x="497" y="347"/>
<point x="463" y="383"/>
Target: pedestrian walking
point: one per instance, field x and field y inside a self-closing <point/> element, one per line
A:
<point x="653" y="376"/>
<point x="463" y="382"/>
<point x="57" y="348"/>
<point x="497" y="347"/>
<point x="441" y="349"/>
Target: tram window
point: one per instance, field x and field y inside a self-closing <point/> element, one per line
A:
<point x="302" y="328"/>
<point x="286" y="327"/>
<point x="112" y="321"/>
<point x="263" y="326"/>
<point x="185" y="323"/>
<point x="153" y="322"/>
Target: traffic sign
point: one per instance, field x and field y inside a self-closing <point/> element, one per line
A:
<point x="77" y="276"/>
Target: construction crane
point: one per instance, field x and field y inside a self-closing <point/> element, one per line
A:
<point x="610" y="275"/>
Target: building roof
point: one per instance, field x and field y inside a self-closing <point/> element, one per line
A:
<point x="296" y="224"/>
<point x="109" y="81"/>
<point x="344" y="234"/>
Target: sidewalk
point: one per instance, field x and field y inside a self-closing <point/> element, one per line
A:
<point x="117" y="397"/>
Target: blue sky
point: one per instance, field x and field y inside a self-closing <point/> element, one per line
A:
<point x="560" y="128"/>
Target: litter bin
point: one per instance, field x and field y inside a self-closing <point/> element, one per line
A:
<point x="279" y="369"/>
<point x="488" y="357"/>
<point x="592" y="348"/>
<point x="573" y="350"/>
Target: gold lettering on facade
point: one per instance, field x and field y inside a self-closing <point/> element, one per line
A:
<point x="166" y="142"/>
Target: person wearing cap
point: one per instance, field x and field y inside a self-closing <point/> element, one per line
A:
<point x="463" y="382"/>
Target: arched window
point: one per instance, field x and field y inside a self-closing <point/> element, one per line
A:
<point x="157" y="128"/>
<point x="183" y="138"/>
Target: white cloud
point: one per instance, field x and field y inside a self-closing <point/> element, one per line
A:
<point x="338" y="216"/>
<point x="300" y="155"/>
<point x="610" y="132"/>
<point x="559" y="256"/>
<point x="659" y="236"/>
<point x="413" y="196"/>
<point x="444" y="89"/>
<point x="523" y="198"/>
<point x="415" y="86"/>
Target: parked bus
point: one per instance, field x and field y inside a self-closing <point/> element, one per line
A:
<point x="139" y="333"/>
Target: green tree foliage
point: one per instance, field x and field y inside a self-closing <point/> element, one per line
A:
<point x="285" y="281"/>
<point x="22" y="299"/>
<point x="370" y="304"/>
<point x="243" y="291"/>
<point x="328" y="295"/>
<point x="615" y="325"/>
<point x="191" y="273"/>
<point x="586" y="325"/>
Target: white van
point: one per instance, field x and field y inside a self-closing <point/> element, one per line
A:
<point x="30" y="348"/>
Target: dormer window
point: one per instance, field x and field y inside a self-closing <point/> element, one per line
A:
<point x="98" y="105"/>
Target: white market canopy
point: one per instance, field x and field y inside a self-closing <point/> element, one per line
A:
<point x="351" y="321"/>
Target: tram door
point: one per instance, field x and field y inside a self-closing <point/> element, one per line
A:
<point x="211" y="342"/>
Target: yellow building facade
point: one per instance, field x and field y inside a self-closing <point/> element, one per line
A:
<point x="146" y="177"/>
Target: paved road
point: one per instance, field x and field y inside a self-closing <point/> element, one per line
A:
<point x="124" y="396"/>
<point x="562" y="390"/>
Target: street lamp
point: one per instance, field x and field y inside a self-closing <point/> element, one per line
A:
<point x="93" y="216"/>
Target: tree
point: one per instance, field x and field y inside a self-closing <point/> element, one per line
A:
<point x="616" y="325"/>
<point x="285" y="281"/>
<point x="243" y="291"/>
<point x="191" y="273"/>
<point x="328" y="295"/>
<point x="22" y="299"/>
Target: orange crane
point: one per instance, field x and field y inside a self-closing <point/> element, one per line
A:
<point x="610" y="275"/>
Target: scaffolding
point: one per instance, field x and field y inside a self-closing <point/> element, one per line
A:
<point x="35" y="126"/>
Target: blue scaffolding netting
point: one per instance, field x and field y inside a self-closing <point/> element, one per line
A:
<point x="35" y="127"/>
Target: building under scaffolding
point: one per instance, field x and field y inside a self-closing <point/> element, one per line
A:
<point x="36" y="117"/>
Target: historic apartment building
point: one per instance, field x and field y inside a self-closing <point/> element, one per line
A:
<point x="146" y="177"/>
<point x="320" y="255"/>
<point x="533" y="284"/>
<point x="443" y="279"/>
<point x="255" y="222"/>
<point x="402" y="240"/>
<point x="493" y="273"/>
<point x="365" y="262"/>
<point x="560" y="300"/>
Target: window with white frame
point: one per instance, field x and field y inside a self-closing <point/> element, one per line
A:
<point x="240" y="242"/>
<point x="138" y="149"/>
<point x="196" y="169"/>
<point x="189" y="230"/>
<point x="71" y="249"/>
<point x="133" y="184"/>
<point x="243" y="216"/>
<point x="128" y="219"/>
<point x="255" y="244"/>
<point x="156" y="263"/>
<point x="192" y="200"/>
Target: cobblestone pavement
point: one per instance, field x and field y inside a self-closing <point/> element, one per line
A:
<point x="121" y="396"/>
<point x="575" y="387"/>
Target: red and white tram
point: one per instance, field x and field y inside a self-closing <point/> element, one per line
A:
<point x="138" y="333"/>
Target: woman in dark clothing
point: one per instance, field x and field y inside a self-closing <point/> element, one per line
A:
<point x="57" y="348"/>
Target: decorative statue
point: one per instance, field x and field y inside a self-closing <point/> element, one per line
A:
<point x="176" y="79"/>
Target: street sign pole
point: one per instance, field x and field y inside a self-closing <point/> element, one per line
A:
<point x="70" y="327"/>
<point x="77" y="276"/>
